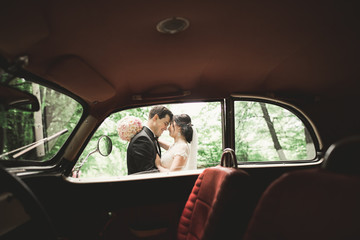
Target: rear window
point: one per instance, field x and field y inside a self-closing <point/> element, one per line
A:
<point x="36" y="136"/>
<point x="267" y="132"/>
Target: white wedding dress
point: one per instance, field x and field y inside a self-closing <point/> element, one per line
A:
<point x="184" y="149"/>
<point x="179" y="148"/>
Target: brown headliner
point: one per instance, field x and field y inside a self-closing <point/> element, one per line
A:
<point x="107" y="51"/>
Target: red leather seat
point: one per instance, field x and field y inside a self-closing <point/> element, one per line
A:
<point x="322" y="203"/>
<point x="218" y="207"/>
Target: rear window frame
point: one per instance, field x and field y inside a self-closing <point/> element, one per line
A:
<point x="318" y="145"/>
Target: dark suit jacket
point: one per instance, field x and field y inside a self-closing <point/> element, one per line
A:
<point x="141" y="152"/>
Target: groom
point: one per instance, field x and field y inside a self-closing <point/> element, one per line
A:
<point x="143" y="147"/>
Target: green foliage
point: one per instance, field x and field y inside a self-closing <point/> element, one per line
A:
<point x="254" y="141"/>
<point x="263" y="132"/>
<point x="18" y="124"/>
<point x="57" y="112"/>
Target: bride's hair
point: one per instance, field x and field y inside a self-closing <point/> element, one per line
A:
<point x="184" y="122"/>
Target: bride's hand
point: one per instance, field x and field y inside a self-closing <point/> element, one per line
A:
<point x="157" y="160"/>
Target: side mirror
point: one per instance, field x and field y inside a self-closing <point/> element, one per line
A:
<point x="104" y="147"/>
<point x="15" y="98"/>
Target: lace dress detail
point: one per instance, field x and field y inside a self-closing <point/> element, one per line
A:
<point x="180" y="149"/>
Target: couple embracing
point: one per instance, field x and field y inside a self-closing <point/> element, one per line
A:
<point x="144" y="150"/>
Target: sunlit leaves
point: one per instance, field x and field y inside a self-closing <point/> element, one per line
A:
<point x="254" y="141"/>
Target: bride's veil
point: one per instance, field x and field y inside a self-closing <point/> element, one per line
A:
<point x="192" y="161"/>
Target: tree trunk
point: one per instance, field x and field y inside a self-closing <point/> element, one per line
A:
<point x="39" y="134"/>
<point x="274" y="137"/>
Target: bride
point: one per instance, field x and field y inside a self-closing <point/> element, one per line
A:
<point x="181" y="155"/>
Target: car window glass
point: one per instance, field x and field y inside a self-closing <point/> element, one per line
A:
<point x="267" y="132"/>
<point x="36" y="135"/>
<point x="206" y="118"/>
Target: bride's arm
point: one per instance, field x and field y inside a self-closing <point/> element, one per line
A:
<point x="164" y="145"/>
<point x="178" y="163"/>
<point x="158" y="164"/>
<point x="180" y="157"/>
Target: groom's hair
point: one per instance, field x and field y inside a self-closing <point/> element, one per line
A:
<point x="161" y="111"/>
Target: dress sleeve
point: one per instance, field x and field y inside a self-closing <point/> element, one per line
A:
<point x="182" y="150"/>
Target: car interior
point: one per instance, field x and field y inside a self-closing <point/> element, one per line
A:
<point x="272" y="88"/>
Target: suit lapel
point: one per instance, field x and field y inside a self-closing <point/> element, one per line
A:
<point x="151" y="136"/>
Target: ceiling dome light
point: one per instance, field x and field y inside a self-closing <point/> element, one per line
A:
<point x="172" y="25"/>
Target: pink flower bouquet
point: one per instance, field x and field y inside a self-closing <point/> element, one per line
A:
<point x="128" y="127"/>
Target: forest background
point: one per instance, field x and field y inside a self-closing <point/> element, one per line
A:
<point x="263" y="131"/>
